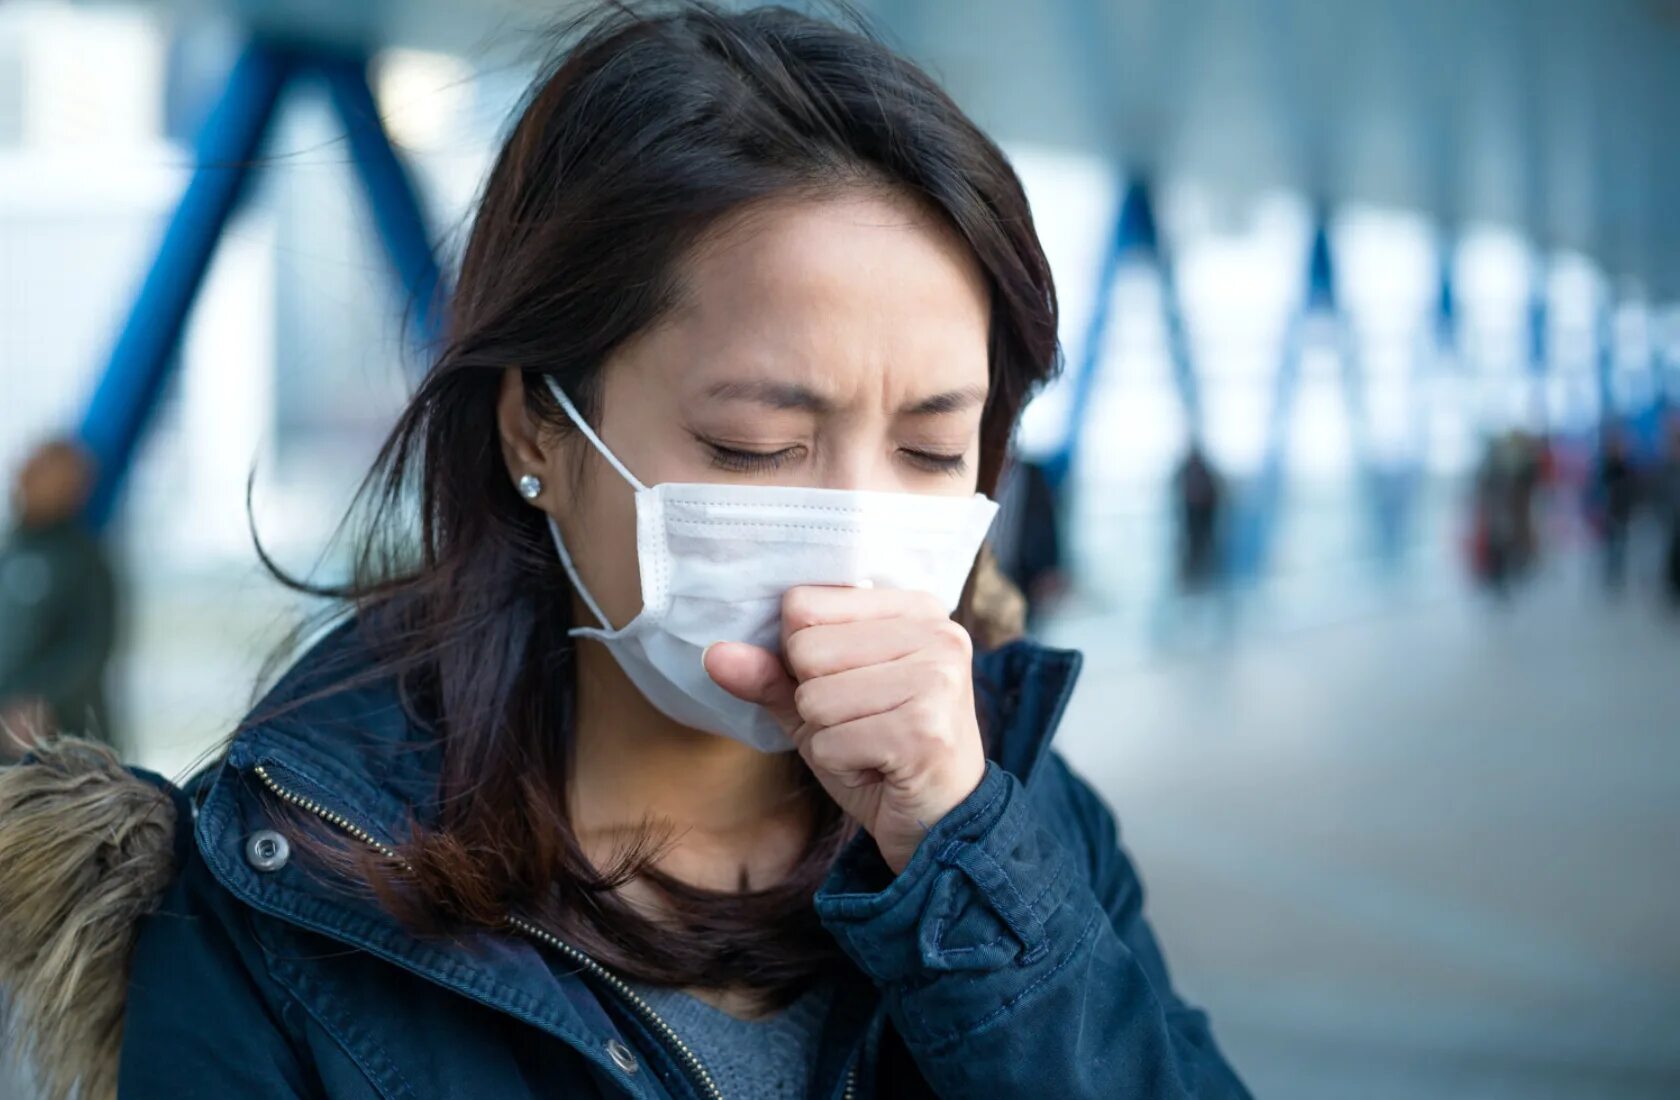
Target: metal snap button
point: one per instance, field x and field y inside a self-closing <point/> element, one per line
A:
<point x="623" y="1057"/>
<point x="267" y="850"/>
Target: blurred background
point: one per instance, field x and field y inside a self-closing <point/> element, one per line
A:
<point x="1360" y="490"/>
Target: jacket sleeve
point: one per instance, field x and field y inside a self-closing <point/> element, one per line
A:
<point x="1015" y="965"/>
<point x="203" y="1019"/>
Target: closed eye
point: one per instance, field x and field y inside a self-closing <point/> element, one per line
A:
<point x="739" y="461"/>
<point x="936" y="462"/>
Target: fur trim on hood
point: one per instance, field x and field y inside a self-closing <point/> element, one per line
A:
<point x="1000" y="611"/>
<point x="87" y="848"/>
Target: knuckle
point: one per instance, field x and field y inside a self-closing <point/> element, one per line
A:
<point x="809" y="700"/>
<point x="923" y="714"/>
<point x="799" y="608"/>
<point x="823" y="751"/>
<point x="951" y="680"/>
<point x="799" y="651"/>
<point x="956" y="638"/>
<point x="946" y="676"/>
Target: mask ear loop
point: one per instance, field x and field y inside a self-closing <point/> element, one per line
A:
<point x="554" y="528"/>
<point x="577" y="581"/>
<point x="589" y="433"/>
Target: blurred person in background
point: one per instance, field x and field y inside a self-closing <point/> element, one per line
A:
<point x="58" y="604"/>
<point x="1668" y="493"/>
<point x="1505" y="541"/>
<point x="1614" y="492"/>
<point x="664" y="759"/>
<point x="1200" y="494"/>
<point x="1536" y="472"/>
<point x="1027" y="537"/>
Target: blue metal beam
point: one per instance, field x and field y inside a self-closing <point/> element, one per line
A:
<point x="1665" y="356"/>
<point x="1083" y="382"/>
<point x="1321" y="270"/>
<point x="1387" y="491"/>
<point x="144" y="352"/>
<point x="1604" y="364"/>
<point x="1438" y="352"/>
<point x="1446" y="298"/>
<point x="1178" y="346"/>
<point x="392" y="198"/>
<point x="1258" y="511"/>
<point x="1135" y="234"/>
<point x="1539" y="345"/>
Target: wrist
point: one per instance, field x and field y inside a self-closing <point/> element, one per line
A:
<point x="898" y="849"/>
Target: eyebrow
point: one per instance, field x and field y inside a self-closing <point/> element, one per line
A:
<point x="948" y="402"/>
<point x="791" y="395"/>
<point x="777" y="395"/>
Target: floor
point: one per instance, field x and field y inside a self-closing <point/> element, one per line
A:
<point x="1421" y="851"/>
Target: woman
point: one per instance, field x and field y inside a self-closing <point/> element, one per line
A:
<point x="742" y="329"/>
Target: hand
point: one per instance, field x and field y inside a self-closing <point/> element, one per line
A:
<point x="875" y="688"/>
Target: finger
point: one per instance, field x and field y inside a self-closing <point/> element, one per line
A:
<point x="754" y="674"/>
<point x="835" y="647"/>
<point x="862" y="751"/>
<point x="809" y="605"/>
<point x="855" y="693"/>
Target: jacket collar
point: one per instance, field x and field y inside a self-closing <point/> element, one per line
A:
<point x="355" y="758"/>
<point x="369" y="761"/>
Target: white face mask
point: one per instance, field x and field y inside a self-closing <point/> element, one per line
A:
<point x="715" y="561"/>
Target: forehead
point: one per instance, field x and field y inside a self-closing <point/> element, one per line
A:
<point x="853" y="289"/>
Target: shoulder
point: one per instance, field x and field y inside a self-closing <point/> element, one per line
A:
<point x="87" y="849"/>
<point x="197" y="963"/>
<point x="202" y="999"/>
<point x="342" y="721"/>
<point x="205" y="1004"/>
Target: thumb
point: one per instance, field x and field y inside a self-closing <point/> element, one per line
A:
<point x="755" y="674"/>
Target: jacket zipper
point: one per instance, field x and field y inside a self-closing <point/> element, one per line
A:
<point x="617" y="984"/>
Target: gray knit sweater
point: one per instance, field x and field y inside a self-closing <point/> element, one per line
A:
<point x="768" y="1058"/>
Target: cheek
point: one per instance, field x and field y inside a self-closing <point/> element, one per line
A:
<point x="600" y="531"/>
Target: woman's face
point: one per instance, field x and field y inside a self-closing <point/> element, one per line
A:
<point x="838" y="343"/>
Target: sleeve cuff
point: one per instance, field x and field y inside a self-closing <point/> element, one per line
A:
<point x="974" y="896"/>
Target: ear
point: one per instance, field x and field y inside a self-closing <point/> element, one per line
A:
<point x="522" y="443"/>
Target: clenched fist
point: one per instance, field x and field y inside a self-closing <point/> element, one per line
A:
<point x="875" y="687"/>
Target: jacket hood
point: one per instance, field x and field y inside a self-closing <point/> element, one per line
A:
<point x="87" y="847"/>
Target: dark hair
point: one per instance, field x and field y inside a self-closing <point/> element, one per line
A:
<point x="644" y="133"/>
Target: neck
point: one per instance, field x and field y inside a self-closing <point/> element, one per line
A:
<point x="631" y="764"/>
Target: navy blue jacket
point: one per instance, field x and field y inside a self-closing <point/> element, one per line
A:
<point x="1010" y="959"/>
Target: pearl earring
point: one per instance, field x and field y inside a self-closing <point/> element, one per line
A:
<point x="530" y="487"/>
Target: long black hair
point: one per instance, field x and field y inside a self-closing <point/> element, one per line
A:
<point x="647" y="129"/>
